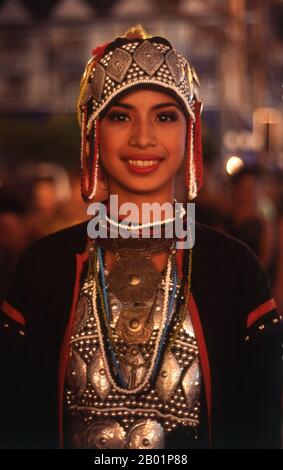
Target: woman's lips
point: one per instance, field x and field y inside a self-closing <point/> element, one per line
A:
<point x="143" y="164"/>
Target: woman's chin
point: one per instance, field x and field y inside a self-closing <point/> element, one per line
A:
<point x="143" y="189"/>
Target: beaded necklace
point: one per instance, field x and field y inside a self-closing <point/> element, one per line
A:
<point x="134" y="227"/>
<point x="165" y="310"/>
<point x="168" y="320"/>
<point x="170" y="310"/>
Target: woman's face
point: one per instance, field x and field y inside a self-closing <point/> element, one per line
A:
<point x="142" y="142"/>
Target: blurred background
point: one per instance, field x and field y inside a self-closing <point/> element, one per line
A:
<point x="236" y="46"/>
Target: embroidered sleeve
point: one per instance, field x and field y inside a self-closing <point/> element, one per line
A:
<point x="263" y="319"/>
<point x="260" y="382"/>
<point x="14" y="308"/>
<point x="261" y="316"/>
<point x="12" y="322"/>
<point x="14" y="311"/>
<point x="15" y="314"/>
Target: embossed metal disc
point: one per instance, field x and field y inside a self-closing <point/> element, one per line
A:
<point x="148" y="57"/>
<point x="120" y="280"/>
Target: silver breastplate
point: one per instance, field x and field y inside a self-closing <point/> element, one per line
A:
<point x="102" y="416"/>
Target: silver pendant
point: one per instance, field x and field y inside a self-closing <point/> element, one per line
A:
<point x="134" y="280"/>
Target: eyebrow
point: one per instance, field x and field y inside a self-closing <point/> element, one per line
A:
<point x="154" y="108"/>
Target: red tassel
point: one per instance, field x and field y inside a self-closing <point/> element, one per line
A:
<point x="89" y="163"/>
<point x="198" y="147"/>
<point x="99" y="50"/>
<point x="96" y="140"/>
<point x="84" y="156"/>
<point x="189" y="143"/>
<point x="94" y="165"/>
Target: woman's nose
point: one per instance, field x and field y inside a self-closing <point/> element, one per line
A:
<point x="143" y="135"/>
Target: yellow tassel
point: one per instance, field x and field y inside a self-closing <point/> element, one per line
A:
<point x="136" y="32"/>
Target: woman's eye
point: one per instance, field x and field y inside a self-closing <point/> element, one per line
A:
<point x="167" y="117"/>
<point x="117" y="116"/>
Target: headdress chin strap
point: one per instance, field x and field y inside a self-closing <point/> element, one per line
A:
<point x="198" y="146"/>
<point x="89" y="158"/>
<point x="194" y="167"/>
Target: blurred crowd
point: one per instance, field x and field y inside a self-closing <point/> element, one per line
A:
<point x="249" y="206"/>
<point x="35" y="200"/>
<point x="42" y="198"/>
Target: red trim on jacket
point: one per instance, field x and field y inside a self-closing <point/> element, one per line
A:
<point x="260" y="311"/>
<point x="193" y="310"/>
<point x="13" y="313"/>
<point x="80" y="260"/>
<point x="179" y="262"/>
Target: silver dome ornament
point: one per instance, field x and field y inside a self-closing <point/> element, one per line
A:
<point x="148" y="434"/>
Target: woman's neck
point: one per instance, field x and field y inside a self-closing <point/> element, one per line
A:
<point x="138" y="204"/>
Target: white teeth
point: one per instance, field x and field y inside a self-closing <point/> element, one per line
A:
<point x="142" y="163"/>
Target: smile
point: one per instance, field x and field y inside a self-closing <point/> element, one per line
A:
<point x="142" y="167"/>
<point x="143" y="164"/>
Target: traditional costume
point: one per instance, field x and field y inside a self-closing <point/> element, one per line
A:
<point x="135" y="358"/>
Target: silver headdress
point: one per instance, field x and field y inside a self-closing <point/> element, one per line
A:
<point x="133" y="61"/>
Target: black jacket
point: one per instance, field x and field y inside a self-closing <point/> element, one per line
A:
<point x="235" y="321"/>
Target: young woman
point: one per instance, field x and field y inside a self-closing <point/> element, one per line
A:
<point x="132" y="342"/>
